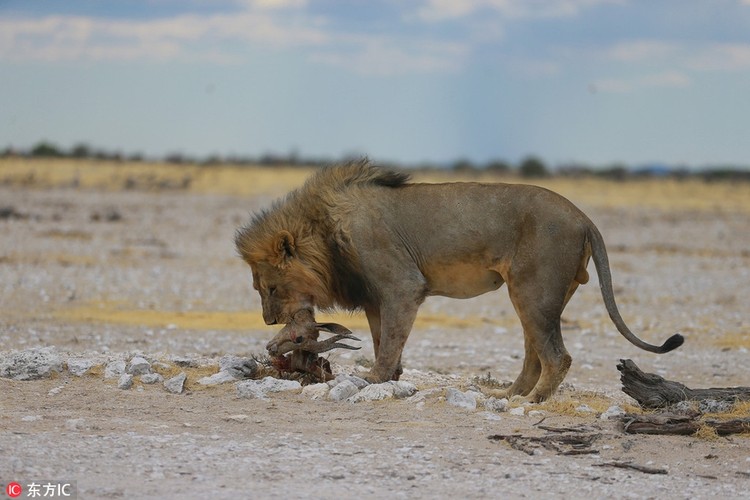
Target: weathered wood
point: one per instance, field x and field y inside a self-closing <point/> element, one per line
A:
<point x="629" y="465"/>
<point x="669" y="423"/>
<point x="653" y="391"/>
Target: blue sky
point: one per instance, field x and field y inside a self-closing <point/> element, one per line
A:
<point x="589" y="81"/>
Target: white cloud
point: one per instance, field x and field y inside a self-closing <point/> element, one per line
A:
<point x="720" y="57"/>
<point x="385" y="56"/>
<point x="641" y="50"/>
<point x="667" y="79"/>
<point x="55" y="38"/>
<point x="443" y="10"/>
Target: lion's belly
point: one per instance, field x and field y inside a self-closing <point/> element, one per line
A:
<point x="460" y="280"/>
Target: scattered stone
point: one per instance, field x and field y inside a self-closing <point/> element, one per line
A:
<point x="257" y="389"/>
<point x="520" y="411"/>
<point x="374" y="392"/>
<point x="56" y="390"/>
<point x="238" y="367"/>
<point x="31" y="418"/>
<point x="343" y="390"/>
<point x="714" y="406"/>
<point x="316" y="391"/>
<point x="403" y="389"/>
<point x="584" y="408"/>
<point x="75" y="424"/>
<point x="218" y="378"/>
<point x="125" y="381"/>
<point x="612" y="413"/>
<point x="138" y="366"/>
<point x="359" y="382"/>
<point x="461" y="399"/>
<point x="151" y="378"/>
<point x="80" y="366"/>
<point x="176" y="383"/>
<point x="30" y="364"/>
<point x="114" y="368"/>
<point x="237" y="418"/>
<point x="497" y="405"/>
<point x="488" y="415"/>
<point x="536" y="413"/>
<point x="185" y="361"/>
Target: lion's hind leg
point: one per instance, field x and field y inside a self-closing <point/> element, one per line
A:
<point x="527" y="379"/>
<point x="539" y="302"/>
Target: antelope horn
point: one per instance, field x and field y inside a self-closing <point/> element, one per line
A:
<point x="317" y="346"/>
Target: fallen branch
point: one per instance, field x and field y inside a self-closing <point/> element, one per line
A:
<point x="669" y="423"/>
<point x="653" y="391"/>
<point x="629" y="465"/>
<point x="563" y="444"/>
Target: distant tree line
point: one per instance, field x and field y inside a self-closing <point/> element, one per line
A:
<point x="530" y="168"/>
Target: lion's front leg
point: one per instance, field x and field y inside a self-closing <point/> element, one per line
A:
<point x="390" y="327"/>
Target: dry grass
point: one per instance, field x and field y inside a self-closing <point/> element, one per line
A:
<point x="114" y="312"/>
<point x="662" y="194"/>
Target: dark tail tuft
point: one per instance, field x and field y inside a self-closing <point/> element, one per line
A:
<point x="672" y="343"/>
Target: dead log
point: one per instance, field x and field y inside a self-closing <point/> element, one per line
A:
<point x="653" y="391"/>
<point x="670" y="423"/>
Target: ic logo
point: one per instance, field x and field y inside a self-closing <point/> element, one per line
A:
<point x="13" y="490"/>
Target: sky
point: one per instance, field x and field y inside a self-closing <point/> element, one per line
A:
<point x="592" y="82"/>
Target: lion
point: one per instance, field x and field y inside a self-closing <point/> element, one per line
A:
<point x="361" y="237"/>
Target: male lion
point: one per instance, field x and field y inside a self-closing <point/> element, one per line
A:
<point x="362" y="237"/>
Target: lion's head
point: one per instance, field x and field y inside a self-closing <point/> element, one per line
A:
<point x="299" y="251"/>
<point x="283" y="272"/>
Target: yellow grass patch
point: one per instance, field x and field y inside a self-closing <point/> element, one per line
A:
<point x="568" y="404"/>
<point x="120" y="313"/>
<point x="664" y="194"/>
<point x="734" y="339"/>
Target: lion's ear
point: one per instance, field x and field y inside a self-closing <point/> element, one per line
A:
<point x="284" y="248"/>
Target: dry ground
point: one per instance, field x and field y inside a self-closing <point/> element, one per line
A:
<point x="163" y="280"/>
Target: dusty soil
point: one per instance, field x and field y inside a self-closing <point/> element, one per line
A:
<point x="102" y="272"/>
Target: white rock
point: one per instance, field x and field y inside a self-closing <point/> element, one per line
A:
<point x="114" y="369"/>
<point x="248" y="389"/>
<point x="30" y="364"/>
<point x="80" y="366"/>
<point x="536" y="413"/>
<point x="316" y="391"/>
<point x="257" y="389"/>
<point x="343" y="390"/>
<point x="176" y="383"/>
<point x="270" y="384"/>
<point x="151" y="378"/>
<point x="403" y="389"/>
<point x="56" y="390"/>
<point x="31" y="418"/>
<point x="488" y="415"/>
<point x="138" y="366"/>
<point x="611" y="413"/>
<point x="359" y="382"/>
<point x="125" y="381"/>
<point x="237" y="366"/>
<point x="498" y="405"/>
<point x="374" y="392"/>
<point x="461" y="399"/>
<point x="521" y="411"/>
<point x="218" y="378"/>
<point x="584" y="408"/>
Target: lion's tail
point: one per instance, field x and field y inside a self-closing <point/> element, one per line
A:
<point x="601" y="261"/>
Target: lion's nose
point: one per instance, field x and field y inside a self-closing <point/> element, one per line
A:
<point x="269" y="319"/>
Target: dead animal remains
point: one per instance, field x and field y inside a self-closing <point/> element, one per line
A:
<point x="295" y="349"/>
